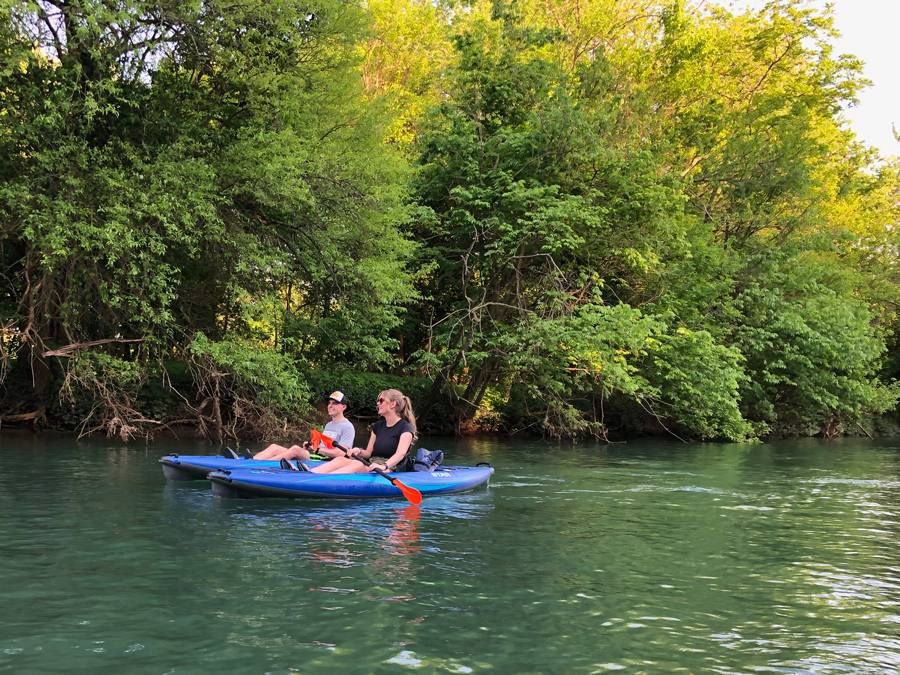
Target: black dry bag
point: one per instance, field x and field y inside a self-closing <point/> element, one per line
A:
<point x="427" y="460"/>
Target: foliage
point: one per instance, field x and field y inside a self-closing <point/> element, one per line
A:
<point x="565" y="370"/>
<point x="699" y="382"/>
<point x="105" y="388"/>
<point x="404" y="60"/>
<point x="813" y="353"/>
<point x="568" y="366"/>
<point x="501" y="221"/>
<point x="571" y="218"/>
<point x="174" y="168"/>
<point x="245" y="391"/>
<point x="543" y="220"/>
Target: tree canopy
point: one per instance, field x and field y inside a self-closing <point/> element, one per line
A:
<point x="568" y="218"/>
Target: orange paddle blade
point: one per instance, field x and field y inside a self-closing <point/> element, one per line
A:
<point x="412" y="495"/>
<point x="314" y="438"/>
<point x="327" y="440"/>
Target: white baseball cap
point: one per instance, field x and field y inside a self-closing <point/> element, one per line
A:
<point x="337" y="397"/>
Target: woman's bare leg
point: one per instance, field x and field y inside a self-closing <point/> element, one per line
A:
<point x="339" y="465"/>
<point x="353" y="466"/>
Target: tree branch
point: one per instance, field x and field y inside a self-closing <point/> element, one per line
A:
<point x="71" y="349"/>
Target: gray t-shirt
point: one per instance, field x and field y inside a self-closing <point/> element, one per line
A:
<point x="341" y="433"/>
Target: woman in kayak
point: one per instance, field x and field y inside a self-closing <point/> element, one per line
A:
<point x="389" y="441"/>
<point x="338" y="428"/>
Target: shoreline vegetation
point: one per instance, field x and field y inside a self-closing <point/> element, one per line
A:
<point x="565" y="219"/>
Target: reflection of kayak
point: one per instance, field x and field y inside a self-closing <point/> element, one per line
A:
<point x="247" y="482"/>
<point x="195" y="467"/>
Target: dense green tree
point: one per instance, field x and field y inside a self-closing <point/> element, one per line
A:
<point x="405" y="57"/>
<point x="752" y="107"/>
<point x="628" y="215"/>
<point x="587" y="159"/>
<point x="542" y="229"/>
<point x="172" y="167"/>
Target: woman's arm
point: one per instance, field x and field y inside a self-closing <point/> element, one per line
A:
<point x="402" y="448"/>
<point x="358" y="452"/>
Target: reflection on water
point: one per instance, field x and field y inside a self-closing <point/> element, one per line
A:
<point x="643" y="558"/>
<point x="404" y="537"/>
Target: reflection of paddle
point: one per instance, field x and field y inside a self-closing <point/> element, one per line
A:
<point x="405" y="534"/>
<point x="412" y="495"/>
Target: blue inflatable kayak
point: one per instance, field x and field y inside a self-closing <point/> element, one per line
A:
<point x="195" y="467"/>
<point x="247" y="482"/>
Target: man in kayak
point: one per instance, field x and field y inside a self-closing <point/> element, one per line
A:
<point x="389" y="442"/>
<point x="338" y="428"/>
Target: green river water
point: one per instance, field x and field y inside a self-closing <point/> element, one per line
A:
<point x="642" y="557"/>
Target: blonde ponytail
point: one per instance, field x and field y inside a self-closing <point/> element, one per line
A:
<point x="409" y="415"/>
<point x="404" y="407"/>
